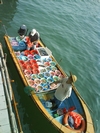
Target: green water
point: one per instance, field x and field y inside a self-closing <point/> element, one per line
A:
<point x="71" y="30"/>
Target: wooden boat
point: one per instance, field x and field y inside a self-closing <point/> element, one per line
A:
<point x="38" y="66"/>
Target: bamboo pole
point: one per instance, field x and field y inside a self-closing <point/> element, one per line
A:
<point x="16" y="110"/>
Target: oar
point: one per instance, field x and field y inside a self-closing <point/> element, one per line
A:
<point x="77" y="92"/>
<point x="82" y="98"/>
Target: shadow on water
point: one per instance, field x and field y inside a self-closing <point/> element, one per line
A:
<point x="32" y="120"/>
<point x="7" y="12"/>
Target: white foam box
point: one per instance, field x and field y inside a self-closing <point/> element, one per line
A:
<point x="44" y="52"/>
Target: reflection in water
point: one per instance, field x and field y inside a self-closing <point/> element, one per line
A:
<point x="1" y="2"/>
<point x="7" y="11"/>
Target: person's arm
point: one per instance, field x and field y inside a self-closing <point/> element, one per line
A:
<point x="62" y="80"/>
<point x="38" y="35"/>
<point x="68" y="92"/>
<point x="58" y="81"/>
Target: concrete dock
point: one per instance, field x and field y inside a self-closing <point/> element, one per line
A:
<point x="8" y="121"/>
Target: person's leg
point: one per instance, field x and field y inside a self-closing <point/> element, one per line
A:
<point x="57" y="102"/>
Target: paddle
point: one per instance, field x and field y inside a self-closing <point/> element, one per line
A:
<point x="77" y="92"/>
<point x="82" y="99"/>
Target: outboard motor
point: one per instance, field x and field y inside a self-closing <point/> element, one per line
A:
<point x="23" y="30"/>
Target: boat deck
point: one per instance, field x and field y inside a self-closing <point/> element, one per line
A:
<point x="8" y="122"/>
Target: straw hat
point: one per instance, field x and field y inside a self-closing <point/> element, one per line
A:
<point x="74" y="78"/>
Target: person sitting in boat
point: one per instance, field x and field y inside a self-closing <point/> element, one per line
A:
<point x="22" y="32"/>
<point x="64" y="90"/>
<point x="18" y="44"/>
<point x="32" y="39"/>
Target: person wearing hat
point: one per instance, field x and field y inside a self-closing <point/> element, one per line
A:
<point x="64" y="90"/>
<point x="32" y="39"/>
<point x="22" y="31"/>
<point x="20" y="39"/>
